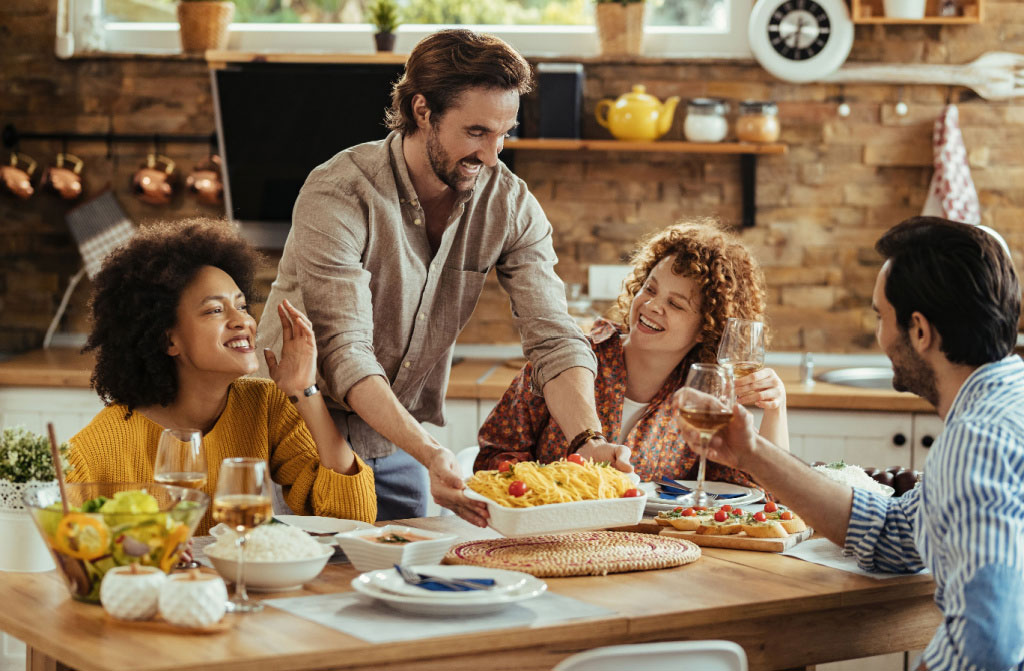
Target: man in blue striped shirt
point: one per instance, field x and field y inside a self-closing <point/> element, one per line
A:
<point x="948" y="303"/>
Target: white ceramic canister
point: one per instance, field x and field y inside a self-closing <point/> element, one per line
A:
<point x="132" y="592"/>
<point x="904" y="9"/>
<point x="193" y="599"/>
<point x="705" y="120"/>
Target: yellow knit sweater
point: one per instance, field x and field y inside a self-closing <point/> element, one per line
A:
<point x="258" y="421"/>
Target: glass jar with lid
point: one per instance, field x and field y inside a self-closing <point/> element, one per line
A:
<point x="705" y="120"/>
<point x="758" y="121"/>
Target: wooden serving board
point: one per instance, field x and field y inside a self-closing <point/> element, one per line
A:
<point x="740" y="541"/>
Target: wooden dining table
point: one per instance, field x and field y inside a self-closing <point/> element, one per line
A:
<point x="785" y="612"/>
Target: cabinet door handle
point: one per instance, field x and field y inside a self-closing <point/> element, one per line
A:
<point x="899" y="440"/>
<point x="927" y="441"/>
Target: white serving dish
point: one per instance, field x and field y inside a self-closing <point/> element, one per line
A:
<point x="556" y="517"/>
<point x="314" y="524"/>
<point x="366" y="554"/>
<point x="522" y="586"/>
<point x="274" y="576"/>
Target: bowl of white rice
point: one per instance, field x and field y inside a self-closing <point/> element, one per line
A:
<point x="854" y="476"/>
<point x="278" y="557"/>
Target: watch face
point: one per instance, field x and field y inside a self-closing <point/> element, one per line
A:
<point x="799" y="29"/>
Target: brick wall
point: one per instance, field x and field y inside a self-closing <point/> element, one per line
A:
<point x="820" y="207"/>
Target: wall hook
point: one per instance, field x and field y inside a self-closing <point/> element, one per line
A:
<point x="901" y="107"/>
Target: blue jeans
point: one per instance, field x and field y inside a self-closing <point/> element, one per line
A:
<point x="402" y="484"/>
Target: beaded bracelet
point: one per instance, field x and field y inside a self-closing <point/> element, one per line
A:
<point x="582" y="437"/>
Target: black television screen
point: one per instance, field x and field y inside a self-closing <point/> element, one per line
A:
<point x="276" y="122"/>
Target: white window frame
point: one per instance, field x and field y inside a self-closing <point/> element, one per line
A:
<point x="535" y="41"/>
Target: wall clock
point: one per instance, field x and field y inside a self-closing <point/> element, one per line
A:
<point x="800" y="40"/>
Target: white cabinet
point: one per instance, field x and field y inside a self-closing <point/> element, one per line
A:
<point x="926" y="429"/>
<point x="32" y="407"/>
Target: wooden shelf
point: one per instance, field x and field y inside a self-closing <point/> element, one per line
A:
<point x="556" y="144"/>
<point x="873" y="12"/>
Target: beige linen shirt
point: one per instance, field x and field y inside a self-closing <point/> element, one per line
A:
<point x="357" y="261"/>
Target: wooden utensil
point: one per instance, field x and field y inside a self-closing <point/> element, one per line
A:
<point x="997" y="75"/>
<point x="57" y="469"/>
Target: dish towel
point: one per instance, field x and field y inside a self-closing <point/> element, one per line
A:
<point x="951" y="193"/>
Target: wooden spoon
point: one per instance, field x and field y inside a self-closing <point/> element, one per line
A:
<point x="57" y="469"/>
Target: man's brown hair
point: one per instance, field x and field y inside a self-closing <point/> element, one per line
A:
<point x="445" y="64"/>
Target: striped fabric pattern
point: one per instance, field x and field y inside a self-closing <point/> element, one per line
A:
<point x="965" y="522"/>
<point x="98" y="227"/>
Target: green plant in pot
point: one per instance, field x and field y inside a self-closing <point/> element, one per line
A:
<point x="204" y="24"/>
<point x="620" y="26"/>
<point x="383" y="16"/>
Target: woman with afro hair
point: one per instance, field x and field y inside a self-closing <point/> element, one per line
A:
<point x="173" y="340"/>
<point x="687" y="280"/>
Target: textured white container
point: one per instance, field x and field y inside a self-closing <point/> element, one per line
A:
<point x="555" y="517"/>
<point x="131" y="596"/>
<point x="193" y="603"/>
<point x="22" y="549"/>
<point x="367" y="554"/>
<point x="904" y="9"/>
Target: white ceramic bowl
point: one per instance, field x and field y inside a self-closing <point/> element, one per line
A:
<point x="557" y="517"/>
<point x="274" y="576"/>
<point x="366" y="554"/>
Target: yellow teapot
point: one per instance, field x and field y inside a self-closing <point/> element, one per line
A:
<point x="636" y="115"/>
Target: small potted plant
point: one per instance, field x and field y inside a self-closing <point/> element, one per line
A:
<point x="620" y="27"/>
<point x="383" y="16"/>
<point x="25" y="463"/>
<point x="204" y="24"/>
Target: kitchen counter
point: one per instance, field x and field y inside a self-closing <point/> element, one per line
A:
<point x="470" y="379"/>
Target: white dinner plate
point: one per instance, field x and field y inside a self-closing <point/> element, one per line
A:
<point x="475" y="603"/>
<point x="321" y="525"/>
<point x="505" y="582"/>
<point x="657" y="505"/>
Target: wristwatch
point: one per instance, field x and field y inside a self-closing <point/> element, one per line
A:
<point x="308" y="391"/>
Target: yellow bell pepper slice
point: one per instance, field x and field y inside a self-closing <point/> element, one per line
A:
<point x="82" y="537"/>
<point x="173" y="541"/>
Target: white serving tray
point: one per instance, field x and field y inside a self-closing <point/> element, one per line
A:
<point x="558" y="517"/>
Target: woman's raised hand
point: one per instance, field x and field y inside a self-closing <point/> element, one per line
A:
<point x="297" y="368"/>
<point x="763" y="388"/>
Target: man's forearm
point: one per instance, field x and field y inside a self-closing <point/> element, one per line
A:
<point x="372" y="399"/>
<point x="570" y="400"/>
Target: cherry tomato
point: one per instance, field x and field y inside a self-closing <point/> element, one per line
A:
<point x="575" y="458"/>
<point x="630" y="493"/>
<point x="517" y="488"/>
<point x="721" y="516"/>
<point x="700" y="507"/>
<point x="726" y="507"/>
<point x="738" y="512"/>
<point x="760" y="516"/>
<point x="786" y="515"/>
<point x="678" y="510"/>
<point x="505" y="466"/>
<point x="689" y="512"/>
<point x="770" y="507"/>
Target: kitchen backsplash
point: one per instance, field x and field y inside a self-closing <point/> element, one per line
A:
<point x="820" y="207"/>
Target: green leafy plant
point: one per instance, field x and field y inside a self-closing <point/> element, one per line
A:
<point x="621" y="2"/>
<point x="25" y="456"/>
<point x="383" y="14"/>
<point x="205" y="0"/>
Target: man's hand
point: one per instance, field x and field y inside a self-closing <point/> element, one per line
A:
<point x="763" y="388"/>
<point x="732" y="445"/>
<point x="600" y="450"/>
<point x="446" y="486"/>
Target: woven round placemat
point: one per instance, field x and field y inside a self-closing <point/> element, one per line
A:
<point x="580" y="553"/>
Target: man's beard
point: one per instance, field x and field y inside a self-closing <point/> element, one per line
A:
<point x="444" y="167"/>
<point x="911" y="372"/>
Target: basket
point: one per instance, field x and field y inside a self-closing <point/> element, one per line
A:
<point x="620" y="28"/>
<point x="204" y="25"/>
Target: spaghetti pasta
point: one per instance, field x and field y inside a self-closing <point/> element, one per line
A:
<point x="558" y="482"/>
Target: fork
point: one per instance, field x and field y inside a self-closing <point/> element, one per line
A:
<point x="454" y="584"/>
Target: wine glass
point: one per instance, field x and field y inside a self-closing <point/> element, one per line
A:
<point x="242" y="501"/>
<point x="705" y="402"/>
<point x="742" y="346"/>
<point x="181" y="461"/>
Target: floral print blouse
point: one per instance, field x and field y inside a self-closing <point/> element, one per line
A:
<point x="521" y="429"/>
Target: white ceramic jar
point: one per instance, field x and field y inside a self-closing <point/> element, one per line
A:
<point x="705" y="120"/>
<point x="132" y="592"/>
<point x="193" y="599"/>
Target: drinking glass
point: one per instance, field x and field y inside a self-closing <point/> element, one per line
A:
<point x="181" y="461"/>
<point x="742" y="346"/>
<point x="705" y="402"/>
<point x="242" y="501"/>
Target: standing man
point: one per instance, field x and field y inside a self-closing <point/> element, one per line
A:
<point x="948" y="302"/>
<point x="389" y="247"/>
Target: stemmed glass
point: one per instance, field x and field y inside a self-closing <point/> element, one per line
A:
<point x="705" y="402"/>
<point x="242" y="501"/>
<point x="742" y="346"/>
<point x="181" y="461"/>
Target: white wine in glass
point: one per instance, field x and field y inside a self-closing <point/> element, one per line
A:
<point x="180" y="459"/>
<point x="742" y="346"/>
<point x="242" y="501"/>
<point x="705" y="402"/>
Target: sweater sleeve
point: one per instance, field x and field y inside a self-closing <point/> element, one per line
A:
<point x="309" y="487"/>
